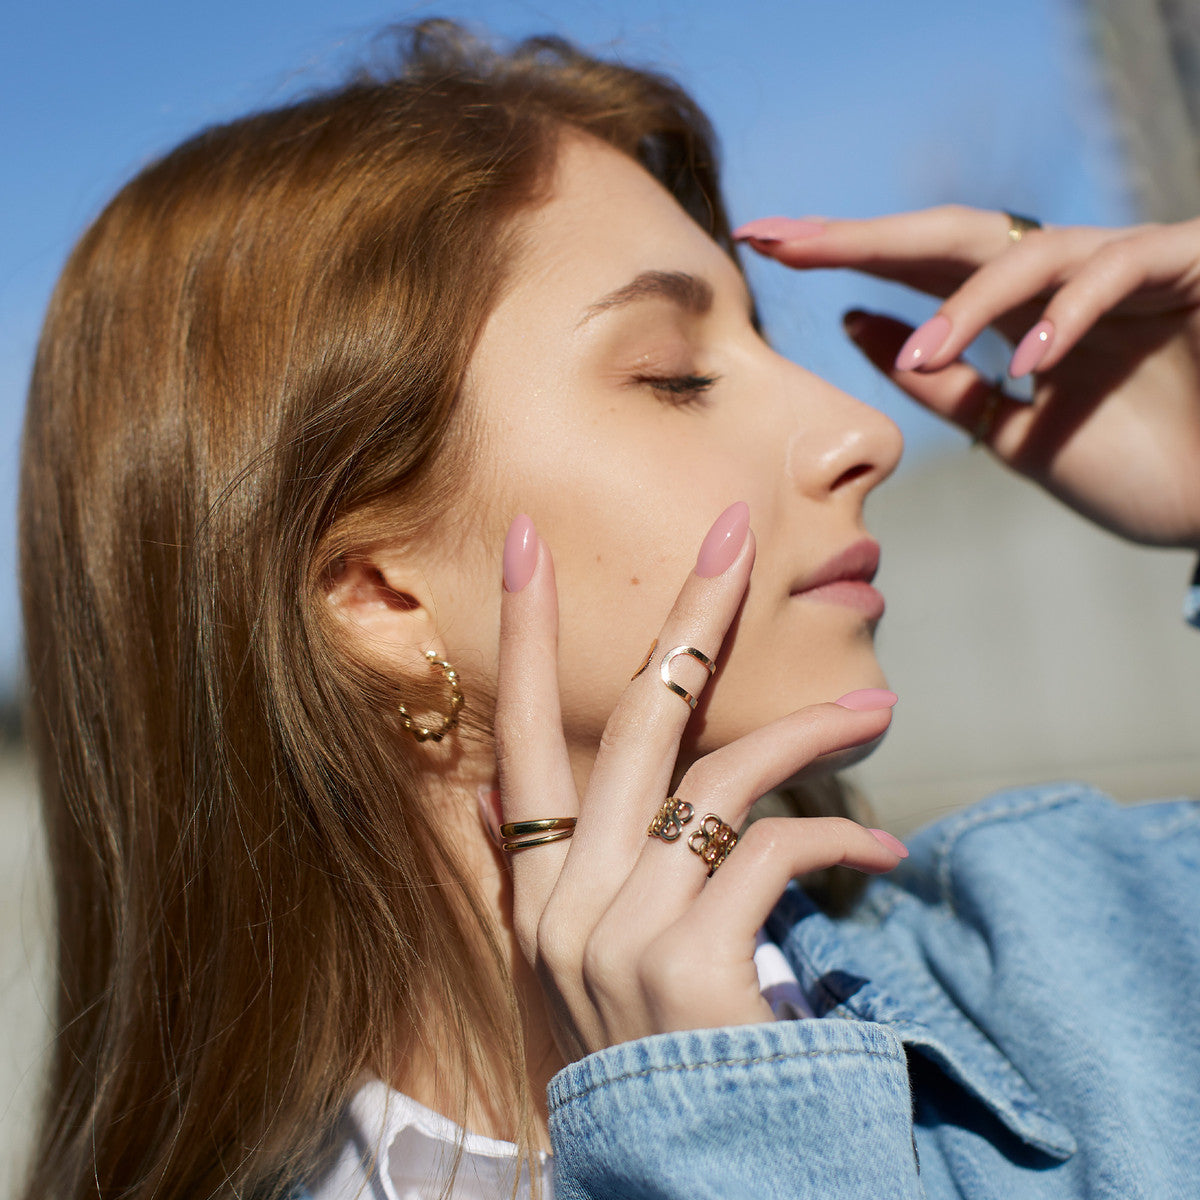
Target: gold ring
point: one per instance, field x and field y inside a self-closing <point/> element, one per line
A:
<point x="671" y="818"/>
<point x="645" y="661"/>
<point x="713" y="841"/>
<point x="665" y="670"/>
<point x="986" y="421"/>
<point x="520" y="835"/>
<point x="1019" y="226"/>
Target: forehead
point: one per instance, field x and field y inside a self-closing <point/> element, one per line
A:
<point x="605" y="221"/>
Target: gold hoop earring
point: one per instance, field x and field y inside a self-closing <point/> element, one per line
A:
<point x="457" y="700"/>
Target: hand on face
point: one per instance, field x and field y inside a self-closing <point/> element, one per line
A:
<point x="1108" y="321"/>
<point x="627" y="932"/>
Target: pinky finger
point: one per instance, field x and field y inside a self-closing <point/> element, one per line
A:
<point x="741" y="894"/>
<point x="1151" y="260"/>
<point x="956" y="392"/>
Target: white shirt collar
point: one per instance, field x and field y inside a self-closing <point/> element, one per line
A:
<point x="389" y="1147"/>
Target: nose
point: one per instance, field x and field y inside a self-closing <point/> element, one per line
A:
<point x="840" y="446"/>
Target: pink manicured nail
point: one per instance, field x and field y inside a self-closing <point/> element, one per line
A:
<point x="520" y="553"/>
<point x="866" y="699"/>
<point x="894" y="844"/>
<point x="777" y="229"/>
<point x="923" y="343"/>
<point x="489" y="809"/>
<point x="723" y="541"/>
<point x="1031" y="349"/>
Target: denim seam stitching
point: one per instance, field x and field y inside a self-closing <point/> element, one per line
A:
<point x="1042" y="802"/>
<point x="675" y="1068"/>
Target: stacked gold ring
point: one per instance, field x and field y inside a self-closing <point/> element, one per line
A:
<point x="520" y="835"/>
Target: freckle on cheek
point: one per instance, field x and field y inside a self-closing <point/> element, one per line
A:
<point x="634" y="580"/>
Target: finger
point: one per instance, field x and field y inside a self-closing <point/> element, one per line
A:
<point x="641" y="738"/>
<point x="670" y="872"/>
<point x="1157" y="265"/>
<point x="933" y="249"/>
<point x="705" y="956"/>
<point x="741" y="894"/>
<point x="999" y="294"/>
<point x="956" y="392"/>
<point x="531" y="752"/>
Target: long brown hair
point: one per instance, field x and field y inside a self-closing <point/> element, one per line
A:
<point x="249" y="366"/>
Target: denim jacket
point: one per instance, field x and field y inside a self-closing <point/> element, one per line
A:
<point x="1013" y="1013"/>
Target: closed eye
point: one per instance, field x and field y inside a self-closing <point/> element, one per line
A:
<point x="679" y="389"/>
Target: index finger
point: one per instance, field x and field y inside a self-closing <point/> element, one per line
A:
<point x="931" y="249"/>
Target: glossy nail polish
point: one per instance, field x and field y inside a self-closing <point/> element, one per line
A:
<point x="923" y="343"/>
<point x="520" y="553"/>
<point x="894" y="844"/>
<point x="1031" y="349"/>
<point x="723" y="541"/>
<point x="777" y="229"/>
<point x="489" y="809"/>
<point x="866" y="699"/>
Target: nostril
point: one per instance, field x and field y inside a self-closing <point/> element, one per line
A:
<point x="851" y="474"/>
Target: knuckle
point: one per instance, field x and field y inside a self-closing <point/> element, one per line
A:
<point x="665" y="969"/>
<point x="763" y="839"/>
<point x="605" y="962"/>
<point x="707" y="777"/>
<point x="557" y="944"/>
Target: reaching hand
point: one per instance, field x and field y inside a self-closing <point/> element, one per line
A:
<point x="627" y="932"/>
<point x="1108" y="321"/>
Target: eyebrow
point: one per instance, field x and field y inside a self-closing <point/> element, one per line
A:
<point x="691" y="293"/>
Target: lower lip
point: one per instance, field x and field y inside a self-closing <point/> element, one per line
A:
<point x="852" y="593"/>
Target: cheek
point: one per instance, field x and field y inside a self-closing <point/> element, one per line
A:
<point x="614" y="595"/>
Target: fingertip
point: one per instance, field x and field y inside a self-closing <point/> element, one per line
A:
<point x="1032" y="349"/>
<point x="520" y="553"/>
<point x="868" y="699"/>
<point x="772" y="231"/>
<point x="892" y="843"/>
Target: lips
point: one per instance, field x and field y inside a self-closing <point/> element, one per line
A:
<point x="857" y="563"/>
<point x="845" y="580"/>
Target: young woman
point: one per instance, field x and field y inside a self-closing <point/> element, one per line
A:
<point x="437" y="404"/>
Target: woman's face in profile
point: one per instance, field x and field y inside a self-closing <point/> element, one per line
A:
<point x="624" y="400"/>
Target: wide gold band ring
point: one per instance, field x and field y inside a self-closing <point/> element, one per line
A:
<point x="691" y="652"/>
<point x="520" y="835"/>
<point x="1019" y="226"/>
<point x="713" y="841"/>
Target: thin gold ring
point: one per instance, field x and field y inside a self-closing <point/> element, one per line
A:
<point x="645" y="661"/>
<point x="985" y="423"/>
<point x="692" y="652"/>
<point x="1019" y="226"/>
<point x="520" y="835"/>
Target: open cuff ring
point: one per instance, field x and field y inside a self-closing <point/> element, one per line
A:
<point x="520" y="835"/>
<point x="691" y="652"/>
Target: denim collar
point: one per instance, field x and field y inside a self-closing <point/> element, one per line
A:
<point x="853" y="970"/>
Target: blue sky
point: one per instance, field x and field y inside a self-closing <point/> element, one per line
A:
<point x="834" y="107"/>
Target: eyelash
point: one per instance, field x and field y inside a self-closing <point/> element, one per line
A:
<point x="680" y="389"/>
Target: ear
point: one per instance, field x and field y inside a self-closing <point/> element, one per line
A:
<point x="388" y="607"/>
